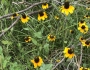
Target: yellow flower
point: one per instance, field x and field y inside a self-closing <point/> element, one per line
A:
<point x="88" y="68"/>
<point x="44" y="5"/>
<point x="27" y="39"/>
<point x="86" y="43"/>
<point x="14" y="15"/>
<point x="37" y="62"/>
<point x="86" y="16"/>
<point x="81" y="39"/>
<point x="57" y="60"/>
<point x="56" y="17"/>
<point x="81" y="68"/>
<point x="83" y="28"/>
<point x="66" y="8"/>
<point x="85" y="69"/>
<point x="68" y="52"/>
<point x="51" y="37"/>
<point x="24" y="18"/>
<point x="81" y="22"/>
<point x="71" y="31"/>
<point x="42" y="16"/>
<point x="87" y="8"/>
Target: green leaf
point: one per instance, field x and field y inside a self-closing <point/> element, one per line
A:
<point x="0" y="50"/>
<point x="38" y="34"/>
<point x="3" y="1"/>
<point x="26" y="28"/>
<point x="34" y="41"/>
<point x="46" y="48"/>
<point x="5" y="63"/>
<point x="46" y="67"/>
<point x="6" y="11"/>
<point x="5" y="42"/>
<point x="84" y="64"/>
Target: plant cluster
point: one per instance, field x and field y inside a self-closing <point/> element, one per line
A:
<point x="44" y="35"/>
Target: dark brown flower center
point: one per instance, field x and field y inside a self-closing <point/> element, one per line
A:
<point x="51" y="36"/>
<point x="86" y="15"/>
<point x="81" y="38"/>
<point x="44" y="4"/>
<point x="36" y="59"/>
<point x="27" y="38"/>
<point x="83" y="27"/>
<point x="66" y="5"/>
<point x="87" y="42"/>
<point x="41" y="13"/>
<point x="70" y="51"/>
<point x="72" y="31"/>
<point x="14" y="14"/>
<point x="82" y="21"/>
<point x="24" y="16"/>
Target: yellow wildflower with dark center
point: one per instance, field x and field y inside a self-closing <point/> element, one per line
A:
<point x="24" y="18"/>
<point x="14" y="15"/>
<point x="45" y="5"/>
<point x="81" y="68"/>
<point x="27" y="39"/>
<point x="83" y="28"/>
<point x="86" y="16"/>
<point x="81" y="39"/>
<point x="66" y="8"/>
<point x="71" y="31"/>
<point x="42" y="16"/>
<point x="81" y="22"/>
<point x="56" y="17"/>
<point x="87" y="8"/>
<point x="37" y="61"/>
<point x="68" y="52"/>
<point x="86" y="43"/>
<point x="51" y="37"/>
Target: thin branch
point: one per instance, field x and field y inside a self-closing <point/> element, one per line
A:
<point x="34" y="12"/>
<point x="3" y="32"/>
<point x="69" y="64"/>
<point x="80" y="61"/>
<point x="58" y="64"/>
<point x="22" y="10"/>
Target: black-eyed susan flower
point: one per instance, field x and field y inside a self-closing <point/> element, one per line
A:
<point x="27" y="39"/>
<point x="71" y="31"/>
<point x="86" y="43"/>
<point x="37" y="61"/>
<point x="45" y="5"/>
<point x="81" y="68"/>
<point x="67" y="8"/>
<point x="56" y="17"/>
<point x="87" y="8"/>
<point x="83" y="28"/>
<point x="86" y="16"/>
<point x="68" y="52"/>
<point x="81" y="22"/>
<point x="81" y="39"/>
<point x="51" y="37"/>
<point x="24" y="18"/>
<point x="14" y="15"/>
<point x="42" y="16"/>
